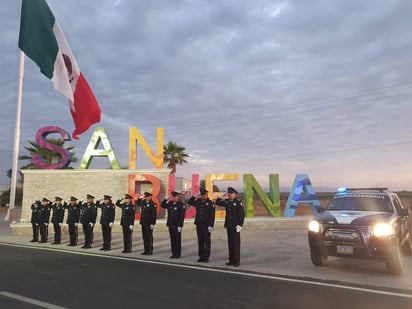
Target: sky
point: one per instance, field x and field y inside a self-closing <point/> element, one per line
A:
<point x="320" y="87"/>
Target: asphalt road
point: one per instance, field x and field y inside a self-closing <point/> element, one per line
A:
<point x="84" y="280"/>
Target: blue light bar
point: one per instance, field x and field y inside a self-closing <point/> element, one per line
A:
<point x="342" y="189"/>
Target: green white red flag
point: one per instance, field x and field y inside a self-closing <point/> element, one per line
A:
<point x="43" y="41"/>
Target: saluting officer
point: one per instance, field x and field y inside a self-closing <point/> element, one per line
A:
<point x="127" y="221"/>
<point x="148" y="213"/>
<point x="106" y="220"/>
<point x="57" y="219"/>
<point x="175" y="220"/>
<point x="73" y="217"/>
<point x="35" y="220"/>
<point x="45" y="218"/>
<point x="204" y="220"/>
<point x="235" y="216"/>
<point x="88" y="219"/>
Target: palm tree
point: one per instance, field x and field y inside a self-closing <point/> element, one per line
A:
<point x="173" y="154"/>
<point x="49" y="156"/>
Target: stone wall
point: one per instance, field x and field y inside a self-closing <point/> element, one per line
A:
<point x="79" y="183"/>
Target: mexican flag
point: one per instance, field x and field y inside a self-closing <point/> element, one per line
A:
<point x="43" y="41"/>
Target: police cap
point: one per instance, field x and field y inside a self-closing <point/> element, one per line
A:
<point x="231" y="190"/>
<point x="128" y="196"/>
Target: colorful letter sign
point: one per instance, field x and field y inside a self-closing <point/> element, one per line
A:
<point x="99" y="135"/>
<point x="272" y="205"/>
<point x="135" y="136"/>
<point x="41" y="141"/>
<point x="301" y="185"/>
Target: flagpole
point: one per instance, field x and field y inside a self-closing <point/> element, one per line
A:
<point x="14" y="170"/>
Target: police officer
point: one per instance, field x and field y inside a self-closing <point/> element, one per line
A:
<point x="235" y="216"/>
<point x="106" y="220"/>
<point x="73" y="217"/>
<point x="175" y="220"/>
<point x="57" y="219"/>
<point x="88" y="216"/>
<point x="35" y="220"/>
<point x="204" y="220"/>
<point x="45" y="218"/>
<point x="127" y="221"/>
<point x="148" y="213"/>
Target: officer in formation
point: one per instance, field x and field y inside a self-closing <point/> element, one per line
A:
<point x="45" y="218"/>
<point x="35" y="220"/>
<point x="88" y="216"/>
<point x="127" y="221"/>
<point x="57" y="219"/>
<point x="148" y="213"/>
<point x="86" y="213"/>
<point x="175" y="219"/>
<point x="235" y="216"/>
<point x="204" y="220"/>
<point x="106" y="220"/>
<point x="73" y="217"/>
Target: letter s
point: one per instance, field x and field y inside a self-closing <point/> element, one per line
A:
<point x="41" y="141"/>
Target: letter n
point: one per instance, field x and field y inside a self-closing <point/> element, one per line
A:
<point x="135" y="136"/>
<point x="272" y="205"/>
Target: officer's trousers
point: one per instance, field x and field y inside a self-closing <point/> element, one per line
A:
<point x="175" y="242"/>
<point x="36" y="229"/>
<point x="73" y="232"/>
<point x="44" y="231"/>
<point x="147" y="235"/>
<point x="127" y="238"/>
<point x="233" y="241"/>
<point x="203" y="240"/>
<point x="107" y="236"/>
<point x="57" y="233"/>
<point x="88" y="235"/>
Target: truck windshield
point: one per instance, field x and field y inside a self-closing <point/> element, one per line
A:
<point x="361" y="203"/>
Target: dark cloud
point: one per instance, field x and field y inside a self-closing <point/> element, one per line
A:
<point x="288" y="87"/>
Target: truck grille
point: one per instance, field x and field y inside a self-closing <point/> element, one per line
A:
<point x="359" y="234"/>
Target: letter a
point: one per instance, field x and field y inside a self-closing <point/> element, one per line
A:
<point x="99" y="135"/>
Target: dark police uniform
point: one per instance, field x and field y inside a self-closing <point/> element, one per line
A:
<point x="36" y="220"/>
<point x="106" y="220"/>
<point x="73" y="218"/>
<point x="88" y="216"/>
<point x="127" y="222"/>
<point x="175" y="220"/>
<point x="204" y="220"/>
<point x="57" y="220"/>
<point x="45" y="218"/>
<point x="235" y="216"/>
<point x="148" y="214"/>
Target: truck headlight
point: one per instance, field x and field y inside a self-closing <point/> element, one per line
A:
<point x="314" y="226"/>
<point x="383" y="229"/>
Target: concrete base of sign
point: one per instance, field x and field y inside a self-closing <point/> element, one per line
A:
<point x="65" y="183"/>
<point x="256" y="223"/>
